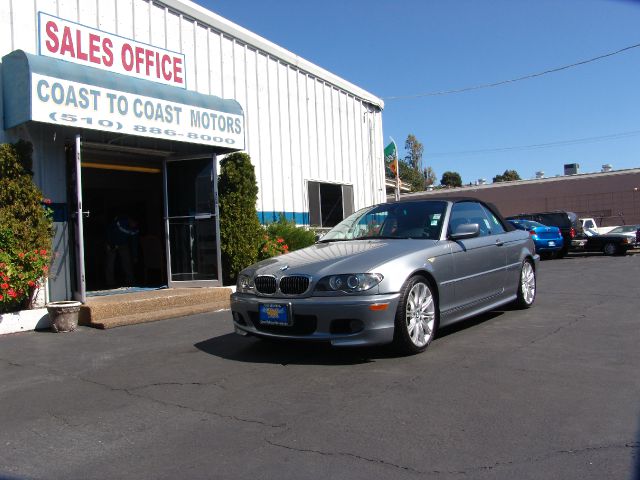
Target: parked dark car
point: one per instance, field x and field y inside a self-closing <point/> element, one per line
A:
<point x="567" y="222"/>
<point x="548" y="240"/>
<point x="609" y="244"/>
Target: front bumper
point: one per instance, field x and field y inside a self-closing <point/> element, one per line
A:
<point x="345" y="320"/>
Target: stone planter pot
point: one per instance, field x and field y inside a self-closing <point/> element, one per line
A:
<point x="64" y="315"/>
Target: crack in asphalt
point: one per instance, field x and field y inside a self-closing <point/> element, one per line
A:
<point x="347" y="454"/>
<point x="131" y="391"/>
<point x="466" y="471"/>
<point x="559" y="329"/>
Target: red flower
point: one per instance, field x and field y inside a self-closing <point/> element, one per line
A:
<point x="43" y="252"/>
<point x="21" y="255"/>
<point x="4" y="286"/>
<point x="1" y="298"/>
<point x="280" y="240"/>
<point x="31" y="283"/>
<point x="46" y="201"/>
<point x="12" y="293"/>
<point x="45" y="269"/>
<point x="2" y="265"/>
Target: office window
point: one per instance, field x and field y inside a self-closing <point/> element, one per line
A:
<point x="329" y="203"/>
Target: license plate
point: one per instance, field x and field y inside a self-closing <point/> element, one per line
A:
<point x="552" y="244"/>
<point x="274" y="314"/>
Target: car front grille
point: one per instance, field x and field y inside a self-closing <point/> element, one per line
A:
<point x="290" y="285"/>
<point x="266" y="284"/>
<point x="294" y="285"/>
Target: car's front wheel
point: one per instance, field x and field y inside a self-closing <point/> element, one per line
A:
<point x="417" y="316"/>
<point x="610" y="249"/>
<point x="526" y="285"/>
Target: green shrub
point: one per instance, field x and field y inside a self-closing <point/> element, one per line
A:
<point x="25" y="229"/>
<point x="295" y="237"/>
<point x="240" y="231"/>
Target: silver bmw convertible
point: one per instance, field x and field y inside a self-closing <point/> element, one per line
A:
<point x="393" y="272"/>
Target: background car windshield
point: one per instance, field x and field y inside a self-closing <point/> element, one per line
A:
<point x="392" y="220"/>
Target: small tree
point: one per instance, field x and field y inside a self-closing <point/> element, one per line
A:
<point x="240" y="230"/>
<point x="414" y="151"/>
<point x="25" y="229"/>
<point x="429" y="176"/>
<point x="507" y="176"/>
<point x="451" y="179"/>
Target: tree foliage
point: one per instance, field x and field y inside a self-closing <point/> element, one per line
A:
<point x="507" y="176"/>
<point x="26" y="228"/>
<point x="414" y="150"/>
<point x="451" y="179"/>
<point x="429" y="176"/>
<point x="240" y="231"/>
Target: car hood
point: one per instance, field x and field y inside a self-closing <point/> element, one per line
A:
<point x="355" y="256"/>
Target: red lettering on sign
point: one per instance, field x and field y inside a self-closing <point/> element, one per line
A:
<point x="139" y="58"/>
<point x="80" y="54"/>
<point x="107" y="47"/>
<point x="67" y="43"/>
<point x="52" y="29"/>
<point x="127" y="57"/>
<point x="166" y="73"/>
<point x="177" y="70"/>
<point x="94" y="48"/>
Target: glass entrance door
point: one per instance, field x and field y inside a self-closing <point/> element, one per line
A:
<point x="192" y="225"/>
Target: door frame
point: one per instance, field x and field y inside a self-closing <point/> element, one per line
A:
<point x="216" y="214"/>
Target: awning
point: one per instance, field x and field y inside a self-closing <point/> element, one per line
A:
<point x="37" y="88"/>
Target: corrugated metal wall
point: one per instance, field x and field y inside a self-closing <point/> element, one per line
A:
<point x="302" y="123"/>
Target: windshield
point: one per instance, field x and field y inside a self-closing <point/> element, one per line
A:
<point x="392" y="220"/>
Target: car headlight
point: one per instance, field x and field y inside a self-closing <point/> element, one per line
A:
<point x="349" y="282"/>
<point x="245" y="284"/>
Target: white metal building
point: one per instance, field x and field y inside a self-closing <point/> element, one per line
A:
<point x="129" y="103"/>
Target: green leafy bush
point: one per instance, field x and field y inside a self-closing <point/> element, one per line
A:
<point x="25" y="229"/>
<point x="240" y="231"/>
<point x="295" y="237"/>
<point x="272" y="247"/>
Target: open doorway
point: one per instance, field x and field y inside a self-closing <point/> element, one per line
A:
<point x="123" y="225"/>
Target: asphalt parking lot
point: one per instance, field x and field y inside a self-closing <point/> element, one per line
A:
<point x="546" y="393"/>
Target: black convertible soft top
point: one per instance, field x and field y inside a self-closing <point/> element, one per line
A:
<point x="490" y="206"/>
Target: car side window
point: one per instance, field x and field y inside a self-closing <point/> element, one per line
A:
<point x="469" y="212"/>
<point x="495" y="226"/>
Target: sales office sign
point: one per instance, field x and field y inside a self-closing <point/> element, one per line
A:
<point x="65" y="40"/>
<point x="65" y="102"/>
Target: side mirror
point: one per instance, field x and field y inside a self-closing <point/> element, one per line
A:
<point x="465" y="230"/>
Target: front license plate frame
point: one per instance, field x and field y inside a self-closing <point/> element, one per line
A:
<point x="275" y="314"/>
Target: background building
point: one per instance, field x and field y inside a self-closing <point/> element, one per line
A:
<point x="611" y="197"/>
<point x="169" y="87"/>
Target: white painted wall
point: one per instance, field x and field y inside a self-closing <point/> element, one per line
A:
<point x="303" y="123"/>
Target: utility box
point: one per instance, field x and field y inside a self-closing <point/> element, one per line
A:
<point x="571" y="168"/>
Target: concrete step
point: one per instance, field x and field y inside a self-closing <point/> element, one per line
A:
<point x="140" y="307"/>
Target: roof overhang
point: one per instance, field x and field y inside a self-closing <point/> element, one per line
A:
<point x="42" y="89"/>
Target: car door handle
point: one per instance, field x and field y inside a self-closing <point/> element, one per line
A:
<point x="499" y="243"/>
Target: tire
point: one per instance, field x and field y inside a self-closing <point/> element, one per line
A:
<point x="610" y="249"/>
<point x="526" y="285"/>
<point x="416" y="317"/>
<point x="560" y="254"/>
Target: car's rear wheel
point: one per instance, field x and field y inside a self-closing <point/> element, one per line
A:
<point x="610" y="249"/>
<point x="526" y="285"/>
<point x="417" y="316"/>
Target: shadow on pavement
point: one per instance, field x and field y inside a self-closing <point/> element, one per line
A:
<point x="255" y="350"/>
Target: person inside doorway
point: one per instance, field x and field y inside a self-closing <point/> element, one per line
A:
<point x="122" y="249"/>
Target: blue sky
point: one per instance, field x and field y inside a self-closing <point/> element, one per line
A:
<point x="410" y="47"/>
